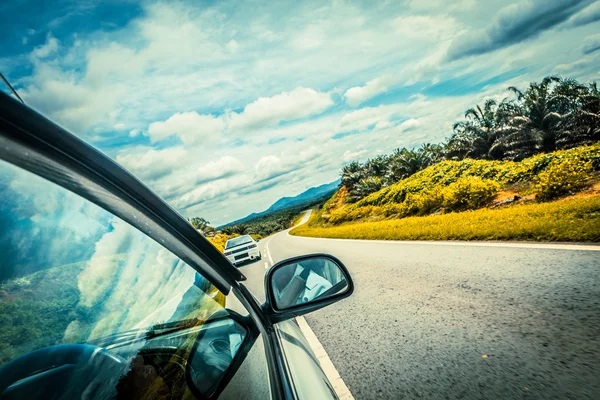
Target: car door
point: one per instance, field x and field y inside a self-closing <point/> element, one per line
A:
<point x="98" y="265"/>
<point x="105" y="291"/>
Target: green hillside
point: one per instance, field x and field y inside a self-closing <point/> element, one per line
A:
<point x="451" y="186"/>
<point x="547" y="197"/>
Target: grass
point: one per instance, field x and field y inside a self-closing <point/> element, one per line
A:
<point x="471" y="184"/>
<point x="574" y="219"/>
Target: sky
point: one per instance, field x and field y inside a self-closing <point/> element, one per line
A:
<point x="224" y="107"/>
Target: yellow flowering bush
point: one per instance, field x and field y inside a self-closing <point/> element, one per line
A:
<point x="467" y="184"/>
<point x="220" y="239"/>
<point x="563" y="177"/>
<point x="469" y="193"/>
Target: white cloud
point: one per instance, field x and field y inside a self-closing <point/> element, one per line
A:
<point x="269" y="167"/>
<point x="353" y="155"/>
<point x="74" y="106"/>
<point x="265" y="111"/>
<point x="586" y="16"/>
<point x="515" y="23"/>
<point x="312" y="37"/>
<point x="232" y="46"/>
<point x="426" y="27"/>
<point x="591" y="44"/>
<point x="190" y="127"/>
<point x="435" y="5"/>
<point x="151" y="164"/>
<point x="409" y="125"/>
<point x="224" y="167"/>
<point x="359" y="94"/>
<point x="208" y="191"/>
<point x="426" y="31"/>
<point x="366" y="117"/>
<point x="49" y="48"/>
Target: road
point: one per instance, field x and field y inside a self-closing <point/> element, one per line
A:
<point x="441" y="320"/>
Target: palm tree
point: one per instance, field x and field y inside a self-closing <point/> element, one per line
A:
<point x="404" y="163"/>
<point x="582" y="126"/>
<point x="536" y="121"/>
<point x="352" y="174"/>
<point x="365" y="187"/>
<point x="199" y="223"/>
<point x="376" y="166"/>
<point x="435" y="152"/>
<point x="477" y="137"/>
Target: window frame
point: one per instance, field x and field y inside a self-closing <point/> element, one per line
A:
<point x="37" y="145"/>
<point x="32" y="142"/>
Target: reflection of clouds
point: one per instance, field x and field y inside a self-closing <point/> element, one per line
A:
<point x="43" y="225"/>
<point x="131" y="281"/>
<point x="128" y="280"/>
<point x="101" y="270"/>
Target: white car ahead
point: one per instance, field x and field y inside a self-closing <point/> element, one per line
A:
<point x="241" y="248"/>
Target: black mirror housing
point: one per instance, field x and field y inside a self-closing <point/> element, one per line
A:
<point x="219" y="349"/>
<point x="300" y="285"/>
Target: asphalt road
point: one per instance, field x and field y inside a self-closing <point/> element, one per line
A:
<point x="441" y="320"/>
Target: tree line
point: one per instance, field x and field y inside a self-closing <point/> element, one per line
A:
<point x="553" y="114"/>
<point x="263" y="225"/>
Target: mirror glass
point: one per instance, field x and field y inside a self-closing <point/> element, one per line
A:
<point x="213" y="353"/>
<point x="305" y="281"/>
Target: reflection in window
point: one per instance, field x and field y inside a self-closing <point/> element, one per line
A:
<point x="70" y="272"/>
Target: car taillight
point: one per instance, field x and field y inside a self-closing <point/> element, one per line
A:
<point x="252" y="246"/>
<point x="228" y="253"/>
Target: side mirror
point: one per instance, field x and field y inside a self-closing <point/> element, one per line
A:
<point x="218" y="351"/>
<point x="257" y="240"/>
<point x="300" y="285"/>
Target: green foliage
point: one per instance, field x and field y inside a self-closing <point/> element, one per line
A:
<point x="268" y="224"/>
<point x="553" y="114"/>
<point x="571" y="219"/>
<point x="36" y="310"/>
<point x="563" y="177"/>
<point x="466" y="184"/>
<point x="469" y="193"/>
<point x="199" y="223"/>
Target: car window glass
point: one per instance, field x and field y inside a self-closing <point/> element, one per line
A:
<point x="251" y="381"/>
<point x="238" y="241"/>
<point x="73" y="274"/>
<point x="309" y="379"/>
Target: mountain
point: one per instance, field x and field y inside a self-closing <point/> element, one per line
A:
<point x="304" y="197"/>
<point x="284" y="203"/>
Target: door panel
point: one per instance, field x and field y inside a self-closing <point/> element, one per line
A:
<point x="87" y="297"/>
<point x="251" y="380"/>
<point x="309" y="380"/>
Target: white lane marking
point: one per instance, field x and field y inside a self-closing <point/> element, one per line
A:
<point x="302" y="221"/>
<point x="268" y="252"/>
<point x="266" y="265"/>
<point x="334" y="377"/>
<point x="305" y="217"/>
<point x="548" y="246"/>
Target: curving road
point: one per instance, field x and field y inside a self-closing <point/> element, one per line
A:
<point x="458" y="320"/>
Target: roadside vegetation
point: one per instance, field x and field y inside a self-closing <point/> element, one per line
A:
<point x="454" y="186"/>
<point x="258" y="227"/>
<point x="267" y="224"/>
<point x="571" y="219"/>
<point x="516" y="156"/>
<point x="554" y="114"/>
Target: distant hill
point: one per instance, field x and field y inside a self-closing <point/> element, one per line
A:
<point x="284" y="203"/>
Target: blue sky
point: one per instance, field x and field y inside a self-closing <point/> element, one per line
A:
<point x="223" y="107"/>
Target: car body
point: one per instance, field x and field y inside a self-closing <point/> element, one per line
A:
<point x="241" y="249"/>
<point x="107" y="292"/>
